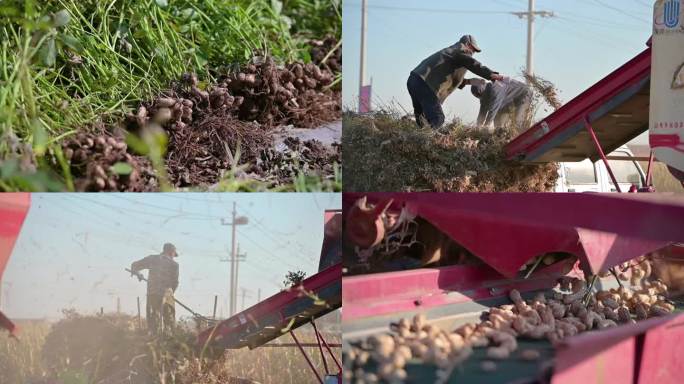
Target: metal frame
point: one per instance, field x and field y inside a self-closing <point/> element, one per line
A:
<point x="273" y="312"/>
<point x="587" y="125"/>
<point x="505" y="231"/>
<point x="649" y="171"/>
<point x="320" y="343"/>
<point x="566" y="121"/>
<point x="289" y="309"/>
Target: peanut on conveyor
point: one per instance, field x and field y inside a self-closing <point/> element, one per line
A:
<point x="564" y="314"/>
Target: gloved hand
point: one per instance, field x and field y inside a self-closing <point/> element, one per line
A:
<point x="138" y="275"/>
<point x="497" y="76"/>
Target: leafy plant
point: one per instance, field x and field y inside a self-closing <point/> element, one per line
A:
<point x="72" y="65"/>
<point x="294" y="278"/>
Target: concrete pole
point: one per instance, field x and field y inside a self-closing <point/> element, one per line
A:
<point x="364" y="27"/>
<point x="244" y="292"/>
<point x="530" y="37"/>
<point x="232" y="264"/>
<point x="139" y="318"/>
<point x="237" y="274"/>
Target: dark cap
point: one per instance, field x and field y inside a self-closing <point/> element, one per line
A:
<point x="170" y="249"/>
<point x="477" y="87"/>
<point x="469" y="39"/>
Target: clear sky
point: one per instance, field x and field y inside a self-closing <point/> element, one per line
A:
<point x="584" y="42"/>
<point x="73" y="248"/>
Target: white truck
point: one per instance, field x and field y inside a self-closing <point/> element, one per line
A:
<point x="585" y="176"/>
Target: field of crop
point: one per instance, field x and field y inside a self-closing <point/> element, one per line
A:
<point x="663" y="181"/>
<point x="142" y="95"/>
<point x="107" y="349"/>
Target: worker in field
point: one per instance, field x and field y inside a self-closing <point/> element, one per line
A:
<point x="503" y="103"/>
<point x="434" y="79"/>
<point x="162" y="282"/>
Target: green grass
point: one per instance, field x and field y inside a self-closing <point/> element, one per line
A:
<point x="66" y="65"/>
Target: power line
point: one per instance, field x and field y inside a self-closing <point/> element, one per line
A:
<point x="270" y="234"/>
<point x="574" y="32"/>
<point x="144" y="232"/>
<point x="180" y="211"/>
<point x="505" y="3"/>
<point x="576" y="20"/>
<point x="120" y="209"/>
<point x="427" y="10"/>
<point x="599" y="20"/>
<point x="619" y="10"/>
<point x="269" y="253"/>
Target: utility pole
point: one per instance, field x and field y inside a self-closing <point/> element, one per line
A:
<point x="259" y="296"/>
<point x="530" y="14"/>
<point x="239" y="257"/>
<point x="236" y="220"/>
<point x="362" y="71"/>
<point x="7" y="291"/>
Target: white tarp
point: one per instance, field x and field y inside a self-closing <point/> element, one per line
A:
<point x="666" y="114"/>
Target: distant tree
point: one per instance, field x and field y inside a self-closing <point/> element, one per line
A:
<point x="293" y="278"/>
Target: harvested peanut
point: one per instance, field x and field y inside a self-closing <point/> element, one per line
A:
<point x="498" y="353"/>
<point x="641" y="311"/>
<point x="488" y="366"/>
<point x="623" y="315"/>
<point x="657" y="310"/>
<point x="554" y="318"/>
<point x="610" y="303"/>
<point x="530" y="354"/>
<point x="664" y="304"/>
<point x="419" y="321"/>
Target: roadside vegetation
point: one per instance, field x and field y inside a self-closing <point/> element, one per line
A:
<point x="85" y="67"/>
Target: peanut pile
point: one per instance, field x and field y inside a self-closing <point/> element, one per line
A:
<point x="571" y="309"/>
<point x="93" y="157"/>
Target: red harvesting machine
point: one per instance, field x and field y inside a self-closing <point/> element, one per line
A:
<point x="493" y="236"/>
<point x="287" y="310"/>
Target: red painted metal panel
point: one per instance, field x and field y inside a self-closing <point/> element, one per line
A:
<point x="587" y="357"/>
<point x="331" y="250"/>
<point x="662" y="360"/>
<point x="584" y="104"/>
<point x="614" y="364"/>
<point x="13" y="210"/>
<point x="385" y="293"/>
<point x="506" y="230"/>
